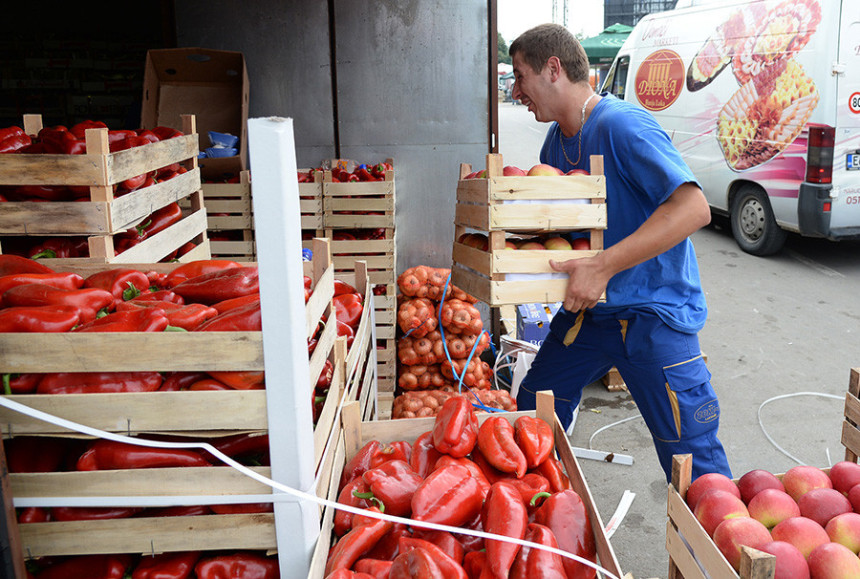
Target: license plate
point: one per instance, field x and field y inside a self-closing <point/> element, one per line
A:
<point x="852" y="162"/>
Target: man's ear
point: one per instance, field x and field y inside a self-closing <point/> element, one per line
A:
<point x="553" y="64"/>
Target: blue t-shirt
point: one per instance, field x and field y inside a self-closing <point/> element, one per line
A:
<point x="642" y="170"/>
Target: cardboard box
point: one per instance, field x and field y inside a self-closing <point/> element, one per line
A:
<point x="533" y="321"/>
<point x="210" y="84"/>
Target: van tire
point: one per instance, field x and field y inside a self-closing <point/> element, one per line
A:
<point x="753" y="224"/>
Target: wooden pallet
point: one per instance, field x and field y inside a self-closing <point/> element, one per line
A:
<point x="692" y="552"/>
<point x="103" y="216"/>
<point x="500" y="205"/>
<point x="357" y="433"/>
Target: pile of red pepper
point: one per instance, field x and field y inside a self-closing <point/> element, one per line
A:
<point x="361" y="173"/>
<point x="498" y="478"/>
<point x="170" y="565"/>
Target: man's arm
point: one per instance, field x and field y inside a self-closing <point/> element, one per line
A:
<point x="682" y="214"/>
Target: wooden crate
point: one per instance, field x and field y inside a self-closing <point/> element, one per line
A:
<point x="311" y="204"/>
<point x="357" y="433"/>
<point x="500" y="205"/>
<point x="103" y="216"/>
<point x="230" y="213"/>
<point x="197" y="415"/>
<point x="693" y="554"/>
<point x="358" y="205"/>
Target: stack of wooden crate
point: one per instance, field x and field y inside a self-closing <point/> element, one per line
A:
<point x="230" y="217"/>
<point x="103" y="216"/>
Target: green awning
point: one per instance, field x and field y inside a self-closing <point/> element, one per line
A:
<point x="601" y="49"/>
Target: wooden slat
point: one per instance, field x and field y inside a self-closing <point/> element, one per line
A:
<point x="700" y="543"/>
<point x="682" y="564"/>
<point x="162" y="243"/>
<point x="359" y="189"/>
<point x="531" y="217"/>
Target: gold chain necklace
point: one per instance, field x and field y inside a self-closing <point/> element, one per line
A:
<point x="581" y="126"/>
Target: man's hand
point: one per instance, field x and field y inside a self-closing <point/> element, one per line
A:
<point x="586" y="284"/>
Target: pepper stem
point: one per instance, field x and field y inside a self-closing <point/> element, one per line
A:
<point x="540" y="495"/>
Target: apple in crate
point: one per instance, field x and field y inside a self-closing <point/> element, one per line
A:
<point x="833" y="561"/>
<point x="732" y="534"/>
<point x="556" y="242"/>
<point x="803" y="533"/>
<point x="801" y="479"/>
<point x="821" y="505"/>
<point x="790" y="563"/>
<point x="715" y="506"/>
<point x="844" y="475"/>
<point x="531" y="245"/>
<point x="544" y="170"/>
<point x="707" y="482"/>
<point x="577" y="172"/>
<point x="754" y="481"/>
<point x="511" y="171"/>
<point x="845" y="530"/>
<point x="581" y="243"/>
<point x="772" y="506"/>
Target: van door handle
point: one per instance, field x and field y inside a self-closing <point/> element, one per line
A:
<point x="838" y="68"/>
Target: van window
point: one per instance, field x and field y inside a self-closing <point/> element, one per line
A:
<point x="616" y="79"/>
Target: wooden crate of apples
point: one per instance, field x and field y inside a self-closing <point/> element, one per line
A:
<point x="507" y="219"/>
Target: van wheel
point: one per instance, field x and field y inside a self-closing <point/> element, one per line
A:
<point x="753" y="224"/>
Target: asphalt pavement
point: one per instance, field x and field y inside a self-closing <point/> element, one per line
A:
<point x="781" y="338"/>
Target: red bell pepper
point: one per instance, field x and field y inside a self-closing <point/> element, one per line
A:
<point x="247" y="318"/>
<point x="244" y="445"/>
<point x="448" y="496"/>
<point x="217" y="286"/>
<point x="340" y="287"/>
<point x="159" y="295"/>
<point x="529" y="486"/>
<point x="39" y="319"/>
<point x="39" y="193"/>
<point x="348" y="574"/>
<point x="88" y="567"/>
<point x="241" y="380"/>
<point x="34" y="453"/>
<point x="59" y="141"/>
<point x="455" y="430"/>
<point x="351" y="494"/>
<point x="185" y="316"/>
<point x="208" y="384"/>
<point x="375" y="568"/>
<point x="196" y="268"/>
<point x="33" y="515"/>
<point x="388" y="547"/>
<point x="180" y="381"/>
<point x="89" y="300"/>
<point x="242" y="509"/>
<point x="189" y="511"/>
<point x="140" y="320"/>
<point x="98" y="382"/>
<point x="553" y="471"/>
<point x="165" y="133"/>
<point x="449" y="568"/>
<point x="565" y="514"/>
<point x="534" y="437"/>
<point x="420" y="562"/>
<point x="348" y="308"/>
<point x="79" y="130"/>
<point x="476" y="471"/>
<point x="347" y="332"/>
<point x="12" y="264"/>
<point x="372" y="455"/>
<point x="365" y="533"/>
<point x="534" y="563"/>
<point x="474" y="563"/>
<point x="123" y="283"/>
<point x="497" y="444"/>
<point x="161" y="219"/>
<point x="13" y="139"/>
<point x="393" y="483"/>
<point x="241" y="564"/>
<point x="225" y="305"/>
<point x="24" y="383"/>
<point x="444" y="540"/>
<point x="56" y="247"/>
<point x="92" y="513"/>
<point x="178" y="565"/>
<point x="424" y="454"/>
<point x="61" y="280"/>
<point x="503" y="513"/>
<point x="106" y="454"/>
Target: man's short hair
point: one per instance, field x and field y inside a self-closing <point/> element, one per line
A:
<point x="538" y="44"/>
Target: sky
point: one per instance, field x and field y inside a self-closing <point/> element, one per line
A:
<point x="517" y="16"/>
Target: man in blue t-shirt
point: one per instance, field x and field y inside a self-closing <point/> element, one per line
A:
<point x="647" y="327"/>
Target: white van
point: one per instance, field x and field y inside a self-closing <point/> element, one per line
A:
<point x="762" y="98"/>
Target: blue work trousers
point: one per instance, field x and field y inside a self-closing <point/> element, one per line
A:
<point x="662" y="368"/>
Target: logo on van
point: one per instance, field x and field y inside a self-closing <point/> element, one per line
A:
<point x="659" y="80"/>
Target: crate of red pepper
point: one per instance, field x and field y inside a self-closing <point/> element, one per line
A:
<point x="230" y="215"/>
<point x="130" y="350"/>
<point x="361" y="198"/>
<point x="110" y="196"/>
<point x="509" y="475"/>
<point x="509" y="223"/>
<point x="311" y="200"/>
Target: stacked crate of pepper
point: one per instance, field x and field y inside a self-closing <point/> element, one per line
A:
<point x="498" y="210"/>
<point x="358" y="217"/>
<point x="231" y="218"/>
<point x="65" y="360"/>
<point x="91" y="194"/>
<point x="441" y="339"/>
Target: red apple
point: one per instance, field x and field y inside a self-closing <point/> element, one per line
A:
<point x="577" y="172"/>
<point x="556" y="242"/>
<point x="482" y="174"/>
<point x="511" y="171"/>
<point x="790" y="563"/>
<point x="471" y="175"/>
<point x="717" y="505"/>
<point x="476" y="240"/>
<point x="803" y="533"/>
<point x="801" y="479"/>
<point x="545" y="170"/>
<point x="833" y="561"/>
<point x="710" y="481"/>
<point x="772" y="506"/>
<point x="757" y="480"/>
<point x="821" y="505"/>
<point x="509" y="244"/>
<point x="531" y="245"/>
<point x="732" y="534"/>
<point x="854" y="497"/>
<point x="845" y="530"/>
<point x="844" y="475"/>
<point x="581" y="243"/>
